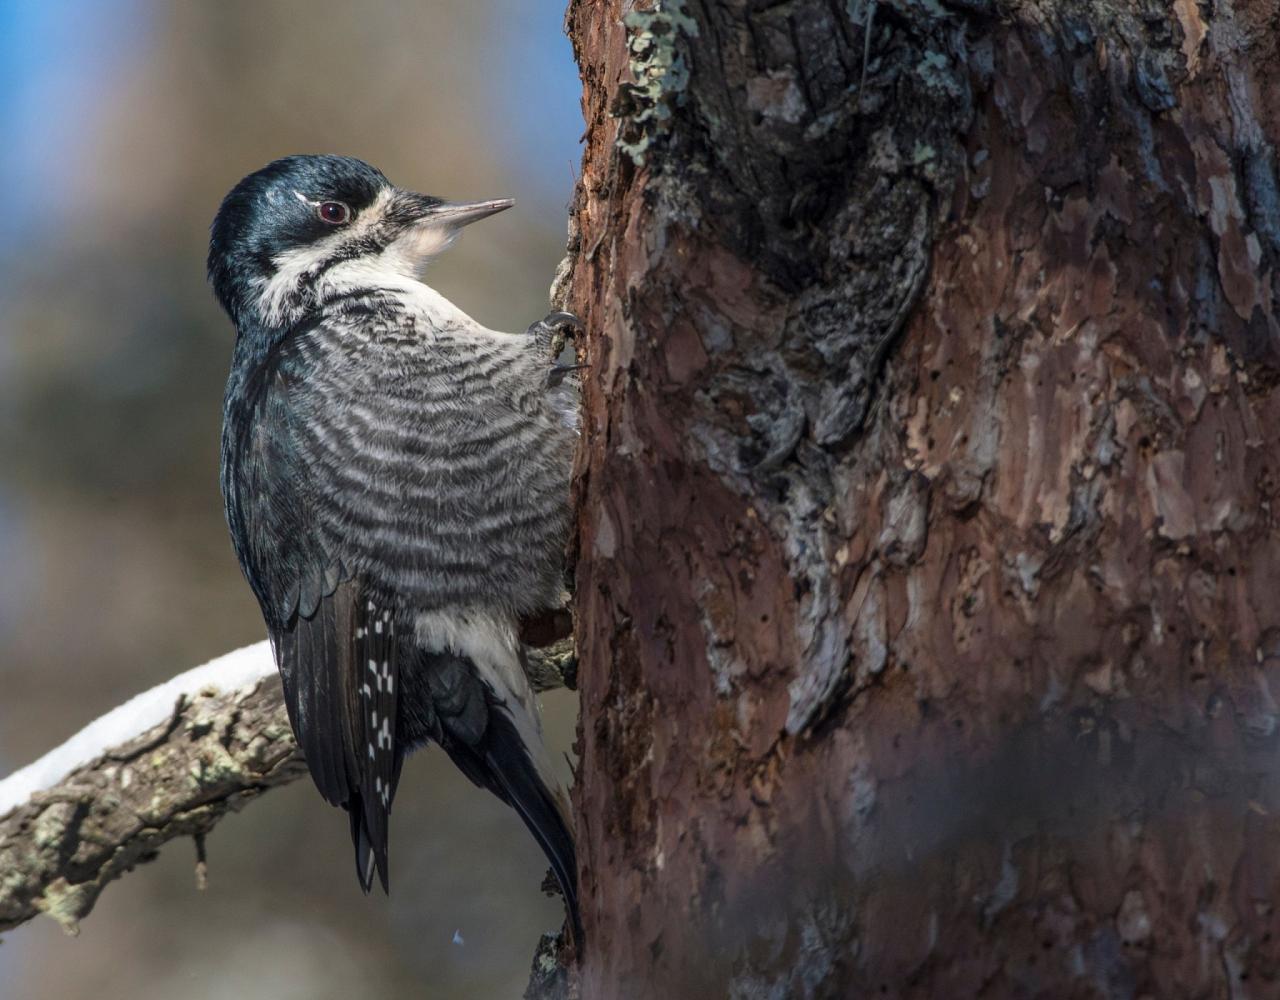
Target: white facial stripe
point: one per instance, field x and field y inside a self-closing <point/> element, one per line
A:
<point x="292" y="266"/>
<point x="405" y="257"/>
<point x="275" y="292"/>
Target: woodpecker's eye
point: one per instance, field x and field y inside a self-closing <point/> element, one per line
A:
<point x="333" y="212"/>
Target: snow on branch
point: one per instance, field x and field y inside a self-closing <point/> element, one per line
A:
<point x="170" y="762"/>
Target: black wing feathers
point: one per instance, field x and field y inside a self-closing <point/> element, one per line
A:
<point x="375" y="694"/>
<point x="264" y="477"/>
<point x="313" y="656"/>
<point x="340" y="672"/>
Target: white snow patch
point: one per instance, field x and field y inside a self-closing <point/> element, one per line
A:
<point x="242" y="668"/>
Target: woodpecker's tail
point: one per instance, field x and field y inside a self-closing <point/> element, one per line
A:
<point x="503" y="763"/>
<point x="482" y="713"/>
<point x="363" y="843"/>
<point x="371" y="855"/>
<point x="544" y="811"/>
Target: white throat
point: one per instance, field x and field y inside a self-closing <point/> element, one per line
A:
<point x="399" y="266"/>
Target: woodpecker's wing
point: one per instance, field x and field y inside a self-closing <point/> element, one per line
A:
<point x="334" y="636"/>
<point x="340" y="670"/>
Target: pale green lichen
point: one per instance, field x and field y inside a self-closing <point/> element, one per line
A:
<point x="215" y="767"/>
<point x="67" y="903"/>
<point x="660" y="75"/>
<point x="932" y="62"/>
<point x="929" y="163"/>
<point x="12" y="874"/>
<point x="923" y="153"/>
<point x="938" y="74"/>
<point x="857" y="10"/>
<point x="51" y="826"/>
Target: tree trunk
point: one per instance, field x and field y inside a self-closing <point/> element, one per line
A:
<point x="928" y="593"/>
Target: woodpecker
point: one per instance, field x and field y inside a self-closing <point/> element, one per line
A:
<point x="396" y="479"/>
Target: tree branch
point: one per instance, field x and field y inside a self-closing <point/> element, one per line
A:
<point x="169" y="763"/>
<point x="108" y="798"/>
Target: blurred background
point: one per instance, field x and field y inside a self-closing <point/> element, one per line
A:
<point x="124" y="123"/>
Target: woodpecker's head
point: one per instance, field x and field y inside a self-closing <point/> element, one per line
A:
<point x="306" y="226"/>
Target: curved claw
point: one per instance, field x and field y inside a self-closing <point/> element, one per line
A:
<point x="561" y="319"/>
<point x="556" y="374"/>
<point x="555" y="322"/>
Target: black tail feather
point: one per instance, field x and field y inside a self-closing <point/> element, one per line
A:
<point x="530" y="797"/>
<point x="502" y="764"/>
<point x="446" y="701"/>
<point x="367" y="862"/>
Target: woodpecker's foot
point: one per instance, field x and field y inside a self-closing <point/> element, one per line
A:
<point x="555" y="329"/>
<point x="557" y="373"/>
<point x="554" y="332"/>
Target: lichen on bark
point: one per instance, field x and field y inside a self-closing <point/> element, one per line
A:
<point x="829" y="174"/>
<point x="218" y="751"/>
<point x="926" y="565"/>
<point x="219" y="748"/>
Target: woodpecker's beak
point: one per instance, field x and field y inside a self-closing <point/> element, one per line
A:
<point x="455" y="215"/>
<point x="430" y="225"/>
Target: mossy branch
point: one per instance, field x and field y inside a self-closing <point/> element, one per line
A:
<point x="217" y="751"/>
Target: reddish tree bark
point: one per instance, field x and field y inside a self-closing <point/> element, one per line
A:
<point x="928" y="593"/>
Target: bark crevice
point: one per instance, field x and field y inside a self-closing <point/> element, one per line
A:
<point x="926" y="543"/>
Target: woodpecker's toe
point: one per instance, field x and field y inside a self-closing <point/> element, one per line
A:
<point x="557" y="373"/>
<point x="566" y="321"/>
<point x="556" y="326"/>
